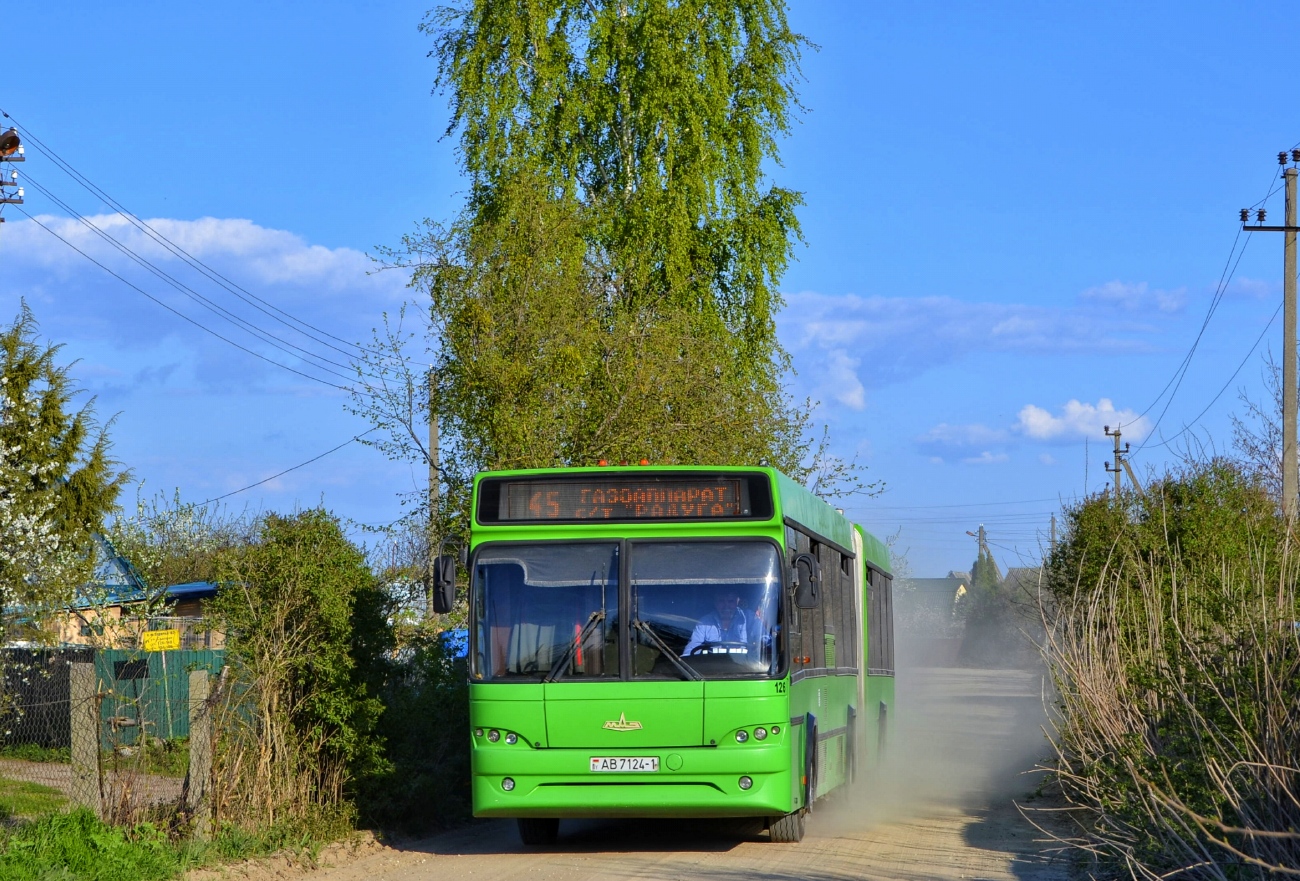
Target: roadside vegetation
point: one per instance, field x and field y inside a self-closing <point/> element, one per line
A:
<point x="1174" y="638"/>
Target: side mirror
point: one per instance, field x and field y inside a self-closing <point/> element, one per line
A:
<point x="444" y="583"/>
<point x="807" y="581"/>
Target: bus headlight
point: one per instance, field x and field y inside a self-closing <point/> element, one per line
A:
<point x="478" y="732"/>
<point x="508" y="783"/>
<point x="742" y="735"/>
<point x="512" y="738"/>
<point x="494" y="735"/>
<point x="760" y="734"/>
<point x="776" y="729"/>
<point x="746" y="782"/>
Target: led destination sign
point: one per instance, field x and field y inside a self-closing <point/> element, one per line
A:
<point x="624" y="497"/>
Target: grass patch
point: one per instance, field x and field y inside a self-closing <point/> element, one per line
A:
<point x="21" y="798"/>
<point x="31" y="752"/>
<point x="77" y="847"/>
<point x="169" y="758"/>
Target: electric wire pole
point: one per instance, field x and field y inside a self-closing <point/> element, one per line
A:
<point x="1121" y="463"/>
<point x="11" y="150"/>
<point x="1290" y="463"/>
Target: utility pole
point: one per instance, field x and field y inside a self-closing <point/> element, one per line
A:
<point x="434" y="471"/>
<point x="1290" y="464"/>
<point x="1053" y="533"/>
<point x="11" y="150"/>
<point x="433" y="445"/>
<point x="1121" y="462"/>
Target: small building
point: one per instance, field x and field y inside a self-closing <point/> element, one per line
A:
<point x="116" y="607"/>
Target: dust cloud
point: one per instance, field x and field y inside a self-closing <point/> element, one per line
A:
<point x="965" y="739"/>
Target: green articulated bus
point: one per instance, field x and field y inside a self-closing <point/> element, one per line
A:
<point x="670" y="642"/>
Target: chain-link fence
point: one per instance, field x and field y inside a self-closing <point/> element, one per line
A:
<point x="108" y="729"/>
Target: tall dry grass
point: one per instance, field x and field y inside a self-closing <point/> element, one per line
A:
<point x="1179" y="731"/>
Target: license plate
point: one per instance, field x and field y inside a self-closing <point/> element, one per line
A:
<point x="625" y="763"/>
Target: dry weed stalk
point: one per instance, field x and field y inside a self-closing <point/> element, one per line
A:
<point x="1180" y="696"/>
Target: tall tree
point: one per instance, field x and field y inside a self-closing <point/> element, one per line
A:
<point x="658" y="117"/>
<point x="609" y="289"/>
<point x="57" y="478"/>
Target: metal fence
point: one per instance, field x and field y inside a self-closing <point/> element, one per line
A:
<point x="113" y="730"/>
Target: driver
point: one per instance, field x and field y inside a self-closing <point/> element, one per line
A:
<point x="726" y="623"/>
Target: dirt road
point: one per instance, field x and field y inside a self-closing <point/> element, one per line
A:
<point x="947" y="811"/>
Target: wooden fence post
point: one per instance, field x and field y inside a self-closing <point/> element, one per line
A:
<point x="84" y="705"/>
<point x="200" y="771"/>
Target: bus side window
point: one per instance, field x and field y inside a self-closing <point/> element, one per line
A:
<point x="880" y="648"/>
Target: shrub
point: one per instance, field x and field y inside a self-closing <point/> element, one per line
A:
<point x="1177" y="659"/>
<point x="298" y="718"/>
<point x="425" y="784"/>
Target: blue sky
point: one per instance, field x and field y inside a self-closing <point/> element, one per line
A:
<point x="1017" y="215"/>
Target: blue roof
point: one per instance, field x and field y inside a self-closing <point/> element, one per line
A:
<point x="192" y="590"/>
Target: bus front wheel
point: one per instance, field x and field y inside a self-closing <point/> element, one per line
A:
<point x="788" y="828"/>
<point x="538" y="832"/>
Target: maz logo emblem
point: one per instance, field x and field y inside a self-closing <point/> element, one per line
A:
<point x="622" y="724"/>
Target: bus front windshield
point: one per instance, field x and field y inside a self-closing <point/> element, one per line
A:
<point x="705" y="609"/>
<point x="546" y="611"/>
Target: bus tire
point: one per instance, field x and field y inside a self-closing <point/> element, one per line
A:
<point x="538" y="831"/>
<point x="787" y="829"/>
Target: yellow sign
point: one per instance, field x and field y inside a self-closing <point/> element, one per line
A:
<point x="161" y="640"/>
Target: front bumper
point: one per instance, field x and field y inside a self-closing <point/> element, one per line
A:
<point x="690" y="782"/>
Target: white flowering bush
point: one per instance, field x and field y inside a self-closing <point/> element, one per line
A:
<point x="57" y="483"/>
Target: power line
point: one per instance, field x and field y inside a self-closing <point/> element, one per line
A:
<point x="963" y="505"/>
<point x="1225" y="279"/>
<point x="1189" y="425"/>
<point x="178" y="313"/>
<point x="212" y="274"/>
<point x="294" y="468"/>
<point x="221" y="312"/>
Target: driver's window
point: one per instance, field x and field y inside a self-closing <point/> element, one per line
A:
<point x="713" y="605"/>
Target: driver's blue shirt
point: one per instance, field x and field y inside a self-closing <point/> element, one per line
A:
<point x="710" y="629"/>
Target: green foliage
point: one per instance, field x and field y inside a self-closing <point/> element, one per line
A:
<point x="299" y="609"/>
<point x="34" y="752"/>
<point x="609" y="289"/>
<point x="170" y="541"/>
<point x="21" y="798"/>
<point x="991" y="625"/>
<point x="1178" y="662"/>
<point x="425" y="783"/>
<point x="77" y="847"/>
<point x="57" y="478"/>
<point x="657" y="118"/>
<point x="1202" y="514"/>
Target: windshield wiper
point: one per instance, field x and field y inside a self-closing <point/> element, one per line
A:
<point x="668" y="653"/>
<point x="567" y="658"/>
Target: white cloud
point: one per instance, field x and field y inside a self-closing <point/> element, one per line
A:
<point x="1135" y="296"/>
<point x="1047" y="458"/>
<point x="987" y="458"/>
<point x="846" y="345"/>
<point x="956" y="436"/>
<point x="276" y="281"/>
<point x="1254" y="288"/>
<point x="1077" y="420"/>
<point x="841" y="382"/>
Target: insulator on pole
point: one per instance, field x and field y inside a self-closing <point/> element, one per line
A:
<point x="1245" y="214"/>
